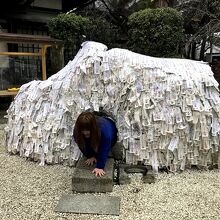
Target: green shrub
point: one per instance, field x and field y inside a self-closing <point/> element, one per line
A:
<point x="102" y="31"/>
<point x="74" y="29"/>
<point x="70" y="28"/>
<point x="156" y="32"/>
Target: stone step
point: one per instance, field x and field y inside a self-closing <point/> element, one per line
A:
<point x="89" y="204"/>
<point x="84" y="181"/>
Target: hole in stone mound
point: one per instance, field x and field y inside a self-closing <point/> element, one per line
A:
<point x="136" y="169"/>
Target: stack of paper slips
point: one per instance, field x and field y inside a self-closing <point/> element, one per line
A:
<point x="167" y="111"/>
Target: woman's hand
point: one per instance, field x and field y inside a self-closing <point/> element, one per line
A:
<point x="90" y="161"/>
<point x="98" y="172"/>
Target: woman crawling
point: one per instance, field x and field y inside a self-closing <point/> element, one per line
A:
<point x="95" y="135"/>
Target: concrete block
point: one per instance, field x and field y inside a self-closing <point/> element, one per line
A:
<point x="89" y="204"/>
<point x="125" y="169"/>
<point x="149" y="177"/>
<point x="85" y="181"/>
<point x="123" y="177"/>
<point x="136" y="169"/>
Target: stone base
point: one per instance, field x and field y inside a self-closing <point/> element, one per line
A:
<point x="126" y="169"/>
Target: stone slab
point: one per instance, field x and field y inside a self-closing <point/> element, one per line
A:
<point x="89" y="204"/>
<point x="85" y="181"/>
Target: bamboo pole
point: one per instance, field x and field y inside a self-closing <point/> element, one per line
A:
<point x="42" y="54"/>
<point x="20" y="54"/>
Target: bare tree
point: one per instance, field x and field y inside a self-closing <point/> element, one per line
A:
<point x="119" y="10"/>
<point x="202" y="21"/>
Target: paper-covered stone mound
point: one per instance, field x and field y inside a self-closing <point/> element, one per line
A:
<point x="167" y="110"/>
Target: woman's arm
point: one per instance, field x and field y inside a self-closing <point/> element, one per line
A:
<point x="102" y="157"/>
<point x="108" y="136"/>
<point x="103" y="153"/>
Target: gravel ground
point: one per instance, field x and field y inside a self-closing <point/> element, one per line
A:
<point x="29" y="191"/>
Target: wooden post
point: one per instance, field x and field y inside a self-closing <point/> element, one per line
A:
<point x="43" y="61"/>
<point x="43" y="55"/>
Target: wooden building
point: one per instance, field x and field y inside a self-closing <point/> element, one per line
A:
<point x="27" y="18"/>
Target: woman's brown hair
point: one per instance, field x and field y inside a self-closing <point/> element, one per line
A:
<point x="87" y="121"/>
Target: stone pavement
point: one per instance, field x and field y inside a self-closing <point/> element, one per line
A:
<point x="89" y="204"/>
<point x="85" y="182"/>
